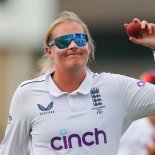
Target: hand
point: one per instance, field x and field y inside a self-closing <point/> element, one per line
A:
<point x="148" y="34"/>
<point x="28" y="153"/>
<point x="151" y="148"/>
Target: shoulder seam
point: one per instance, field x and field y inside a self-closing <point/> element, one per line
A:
<point x="31" y="82"/>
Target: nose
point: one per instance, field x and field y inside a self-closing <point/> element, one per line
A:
<point x="72" y="45"/>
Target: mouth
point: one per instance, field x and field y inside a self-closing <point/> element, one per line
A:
<point x="74" y="54"/>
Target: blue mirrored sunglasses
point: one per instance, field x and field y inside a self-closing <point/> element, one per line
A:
<point x="64" y="41"/>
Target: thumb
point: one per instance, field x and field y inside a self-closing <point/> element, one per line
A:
<point x="136" y="41"/>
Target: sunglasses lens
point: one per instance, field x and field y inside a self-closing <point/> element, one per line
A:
<point x="62" y="42"/>
<point x="80" y="39"/>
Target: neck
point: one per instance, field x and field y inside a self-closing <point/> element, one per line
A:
<point x="69" y="81"/>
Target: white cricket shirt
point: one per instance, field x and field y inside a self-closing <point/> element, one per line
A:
<point x="88" y="121"/>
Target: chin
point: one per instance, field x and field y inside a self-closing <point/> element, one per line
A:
<point x="76" y="67"/>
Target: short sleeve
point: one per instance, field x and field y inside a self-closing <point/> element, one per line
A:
<point x="137" y="96"/>
<point x="16" y="137"/>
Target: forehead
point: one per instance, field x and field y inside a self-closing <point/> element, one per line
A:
<point x="67" y="27"/>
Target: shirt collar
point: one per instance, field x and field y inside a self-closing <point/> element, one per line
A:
<point x="84" y="88"/>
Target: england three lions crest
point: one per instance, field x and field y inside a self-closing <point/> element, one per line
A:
<point x="97" y="100"/>
<point x="96" y="97"/>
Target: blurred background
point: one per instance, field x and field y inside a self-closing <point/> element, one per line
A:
<point x="23" y="26"/>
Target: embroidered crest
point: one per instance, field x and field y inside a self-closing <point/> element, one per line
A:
<point x="97" y="100"/>
<point x="96" y="97"/>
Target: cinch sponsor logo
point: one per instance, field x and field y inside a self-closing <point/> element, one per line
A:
<point x="66" y="142"/>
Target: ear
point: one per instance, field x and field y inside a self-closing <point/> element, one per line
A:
<point x="48" y="51"/>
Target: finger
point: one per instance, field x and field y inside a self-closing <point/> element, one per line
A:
<point x="144" y="24"/>
<point x="136" y="20"/>
<point x="126" y="25"/>
<point x="152" y="27"/>
<point x="149" y="26"/>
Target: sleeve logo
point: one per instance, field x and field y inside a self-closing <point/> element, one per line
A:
<point x="10" y="119"/>
<point x="141" y="83"/>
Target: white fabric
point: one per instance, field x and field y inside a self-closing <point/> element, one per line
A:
<point x="88" y="121"/>
<point x="154" y="54"/>
<point x="137" y="137"/>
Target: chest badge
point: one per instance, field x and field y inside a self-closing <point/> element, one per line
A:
<point x="46" y="110"/>
<point x="97" y="100"/>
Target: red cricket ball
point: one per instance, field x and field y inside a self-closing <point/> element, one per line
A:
<point x="134" y="29"/>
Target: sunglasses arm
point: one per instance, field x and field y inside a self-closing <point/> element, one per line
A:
<point x="51" y="43"/>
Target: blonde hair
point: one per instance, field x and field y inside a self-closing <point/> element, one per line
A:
<point x="63" y="17"/>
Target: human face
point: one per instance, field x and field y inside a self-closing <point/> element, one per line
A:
<point x="73" y="57"/>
